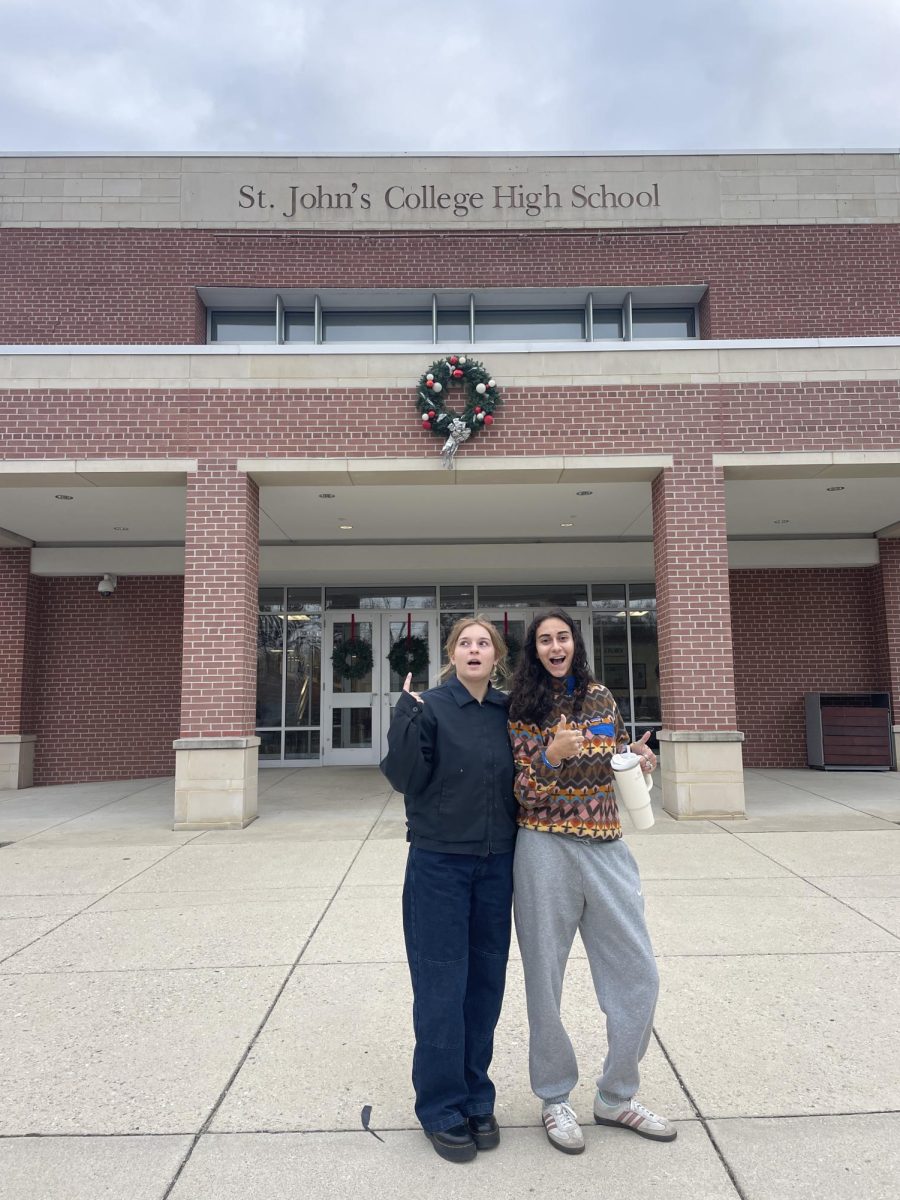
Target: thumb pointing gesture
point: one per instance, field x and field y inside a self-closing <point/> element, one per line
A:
<point x="566" y="743"/>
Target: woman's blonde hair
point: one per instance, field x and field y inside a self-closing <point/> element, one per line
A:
<point x="500" y="651"/>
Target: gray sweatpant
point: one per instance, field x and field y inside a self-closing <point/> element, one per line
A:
<point x="563" y="883"/>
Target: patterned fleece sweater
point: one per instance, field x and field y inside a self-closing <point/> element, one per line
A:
<point x="578" y="797"/>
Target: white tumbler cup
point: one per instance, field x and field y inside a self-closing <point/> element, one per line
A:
<point x="632" y="788"/>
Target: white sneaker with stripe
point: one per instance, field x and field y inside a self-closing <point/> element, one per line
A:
<point x="562" y="1128"/>
<point x="631" y="1114"/>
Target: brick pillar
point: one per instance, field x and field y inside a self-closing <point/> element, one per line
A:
<point x="889" y="634"/>
<point x="702" y="771"/>
<point x="216" y="754"/>
<point x="18" y="627"/>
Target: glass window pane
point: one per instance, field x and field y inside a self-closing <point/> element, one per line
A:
<point x="460" y="597"/>
<point x="351" y="728"/>
<point x="529" y="324"/>
<point x="301" y="743"/>
<point x="545" y="595"/>
<point x="611" y="656"/>
<point x="662" y="323"/>
<point x="303" y="670"/>
<point x="271" y="599"/>
<point x="372" y="598"/>
<point x="253" y="326"/>
<point x="300" y="326"/>
<point x="304" y="600"/>
<point x="607" y="597"/>
<point x="269" y="657"/>
<point x="269" y="745"/>
<point x="453" y="325"/>
<point x="385" y="325"/>
<point x="607" y="324"/>
<point x="644" y="655"/>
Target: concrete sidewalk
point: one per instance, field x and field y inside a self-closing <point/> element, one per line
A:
<point x="205" y="1015"/>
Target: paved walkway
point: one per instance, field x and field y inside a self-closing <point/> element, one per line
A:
<point x="205" y="1015"/>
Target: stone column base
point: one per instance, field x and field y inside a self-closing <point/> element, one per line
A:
<point x="17" y="759"/>
<point x="215" y="782"/>
<point x="702" y="773"/>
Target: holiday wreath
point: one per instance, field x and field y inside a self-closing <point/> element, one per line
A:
<point x="352" y="659"/>
<point x="409" y="655"/>
<point x="482" y="397"/>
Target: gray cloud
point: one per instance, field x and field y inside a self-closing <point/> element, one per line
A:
<point x="398" y="75"/>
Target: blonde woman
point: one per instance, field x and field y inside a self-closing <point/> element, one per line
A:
<point x="449" y="754"/>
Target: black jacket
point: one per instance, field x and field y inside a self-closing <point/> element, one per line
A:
<point x="450" y="757"/>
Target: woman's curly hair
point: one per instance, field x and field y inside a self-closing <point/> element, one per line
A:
<point x="533" y="692"/>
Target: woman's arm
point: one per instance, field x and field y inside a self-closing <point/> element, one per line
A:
<point x="408" y="762"/>
<point x="536" y="777"/>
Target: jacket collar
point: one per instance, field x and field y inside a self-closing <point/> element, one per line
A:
<point x="463" y="696"/>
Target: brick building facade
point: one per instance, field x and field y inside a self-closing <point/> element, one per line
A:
<point x="207" y="388"/>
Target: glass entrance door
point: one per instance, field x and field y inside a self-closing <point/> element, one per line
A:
<point x="358" y="705"/>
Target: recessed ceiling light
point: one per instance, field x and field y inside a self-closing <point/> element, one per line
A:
<point x="839" y="488"/>
<point x="326" y="495"/>
<point x="345" y="527"/>
<point x="60" y="496"/>
<point x="584" y="493"/>
<point x="566" y="524"/>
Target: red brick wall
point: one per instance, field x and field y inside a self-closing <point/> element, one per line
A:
<point x="690" y="553"/>
<point x="138" y="286"/>
<point x="798" y="631"/>
<point x="15" y="566"/>
<point x="108" y="680"/>
<point x="221" y="603"/>
<point x="887" y="596"/>
<point x="34" y="624"/>
<point x="698" y="420"/>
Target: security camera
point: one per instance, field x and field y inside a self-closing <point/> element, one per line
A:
<point x="107" y="586"/>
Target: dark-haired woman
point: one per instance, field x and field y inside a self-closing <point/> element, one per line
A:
<point x="574" y="872"/>
<point x="449" y="754"/>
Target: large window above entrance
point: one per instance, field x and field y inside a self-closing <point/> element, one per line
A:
<point x="298" y="316"/>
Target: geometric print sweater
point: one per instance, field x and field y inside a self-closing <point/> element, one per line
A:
<point x="577" y="797"/>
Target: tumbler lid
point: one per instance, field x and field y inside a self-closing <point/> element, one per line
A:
<point x="624" y="760"/>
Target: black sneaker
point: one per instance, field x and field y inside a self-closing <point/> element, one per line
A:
<point x="456" y="1144"/>
<point x="485" y="1131"/>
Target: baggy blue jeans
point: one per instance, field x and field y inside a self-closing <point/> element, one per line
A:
<point x="457" y="923"/>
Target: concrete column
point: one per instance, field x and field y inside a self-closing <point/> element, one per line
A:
<point x="888" y="607"/>
<point x="19" y="617"/>
<point x="701" y="764"/>
<point x="216" y="754"/>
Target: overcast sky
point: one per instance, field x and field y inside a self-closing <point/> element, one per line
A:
<point x="424" y="75"/>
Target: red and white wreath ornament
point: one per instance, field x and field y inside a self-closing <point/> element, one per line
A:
<point x="482" y="397"/>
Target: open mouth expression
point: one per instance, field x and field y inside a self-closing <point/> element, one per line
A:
<point x="473" y="655"/>
<point x="555" y="647"/>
